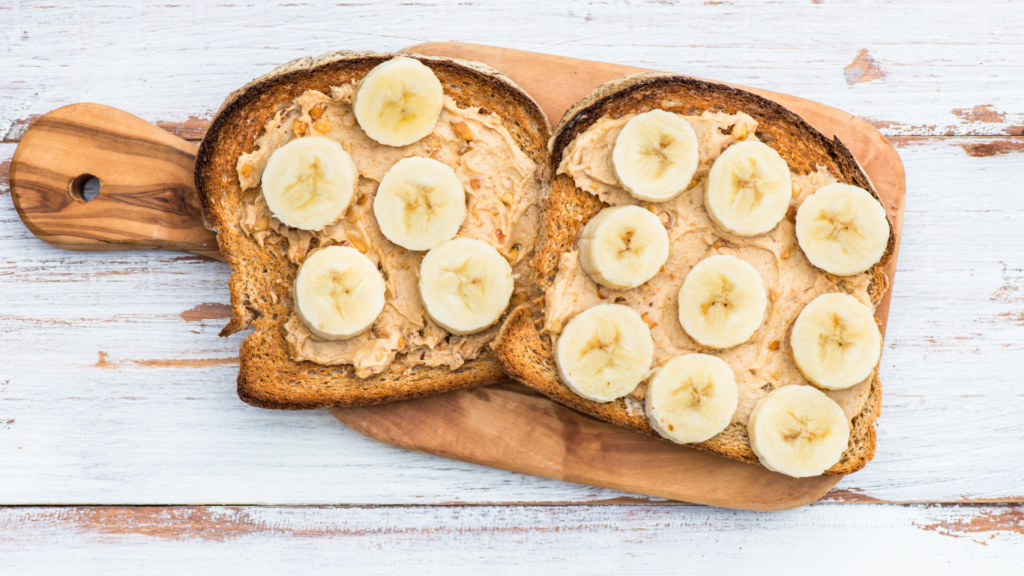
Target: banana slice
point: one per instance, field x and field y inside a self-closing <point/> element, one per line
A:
<point x="835" y="341"/>
<point x="798" y="431"/>
<point x="465" y="285"/>
<point x="748" y="189"/>
<point x="655" y="155"/>
<point x="842" y="229"/>
<point x="398" y="102"/>
<point x="604" y="352"/>
<point x="623" y="247"/>
<point x="722" y="302"/>
<point x="420" y="203"/>
<point x="338" y="293"/>
<point x="692" y="398"/>
<point x="309" y="182"/>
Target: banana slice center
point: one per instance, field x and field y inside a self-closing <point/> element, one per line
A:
<point x="604" y="351"/>
<point x="468" y="282"/>
<point x="800" y="430"/>
<point x="716" y="307"/>
<point x="657" y="150"/>
<point x="694" y="391"/>
<point x="420" y="206"/>
<point x="398" y="109"/>
<point x="748" y="194"/>
<point x="304" y="190"/>
<point x="340" y="290"/>
<point x="841" y="229"/>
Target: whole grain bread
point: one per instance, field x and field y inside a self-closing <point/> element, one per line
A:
<point x="526" y="353"/>
<point x="260" y="275"/>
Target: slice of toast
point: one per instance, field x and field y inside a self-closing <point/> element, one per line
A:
<point x="261" y="272"/>
<point x="525" y="348"/>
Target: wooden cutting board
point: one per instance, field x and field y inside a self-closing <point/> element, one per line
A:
<point x="147" y="200"/>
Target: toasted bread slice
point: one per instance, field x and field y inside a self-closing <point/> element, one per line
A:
<point x="261" y="273"/>
<point x="525" y="350"/>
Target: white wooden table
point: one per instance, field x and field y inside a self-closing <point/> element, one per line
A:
<point x="123" y="448"/>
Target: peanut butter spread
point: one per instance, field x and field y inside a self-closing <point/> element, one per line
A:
<point x="502" y="188"/>
<point x="763" y="363"/>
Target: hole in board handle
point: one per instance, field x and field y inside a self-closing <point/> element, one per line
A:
<point x="84" y="187"/>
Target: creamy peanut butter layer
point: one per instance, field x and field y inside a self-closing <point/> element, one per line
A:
<point x="763" y="363"/>
<point x="502" y="187"/>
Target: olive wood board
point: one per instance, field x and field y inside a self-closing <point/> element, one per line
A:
<point x="147" y="201"/>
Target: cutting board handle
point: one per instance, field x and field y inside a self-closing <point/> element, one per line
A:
<point x="146" y="198"/>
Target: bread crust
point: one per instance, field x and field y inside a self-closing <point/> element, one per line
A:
<point x="526" y="354"/>
<point x="260" y="276"/>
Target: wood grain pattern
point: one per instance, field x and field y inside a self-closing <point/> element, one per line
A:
<point x="511" y="427"/>
<point x="146" y="200"/>
<point x="476" y="423"/>
<point x="584" y="540"/>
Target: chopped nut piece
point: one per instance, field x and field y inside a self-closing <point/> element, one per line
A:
<point x="462" y="129"/>
<point x="246" y="170"/>
<point x="322" y="126"/>
<point x="785" y="254"/>
<point x="692" y="183"/>
<point x="774" y="345"/>
<point x="299" y="127"/>
<point x="351" y="216"/>
<point x="348" y="121"/>
<point x="740" y="131"/>
<point x="401" y="341"/>
<point x="262" y="224"/>
<point x="356" y="240"/>
<point x="513" y="252"/>
<point x="317" y="111"/>
<point x="500" y="235"/>
<point x="648" y="320"/>
<point x="475" y="183"/>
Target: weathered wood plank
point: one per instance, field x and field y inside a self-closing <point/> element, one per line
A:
<point x="572" y="540"/>
<point x="947" y="68"/>
<point x="155" y="418"/>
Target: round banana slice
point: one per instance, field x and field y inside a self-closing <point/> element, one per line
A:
<point x="338" y="293"/>
<point x="692" y="398"/>
<point x="835" y="341"/>
<point x="604" y="352"/>
<point x="309" y="182"/>
<point x="623" y="247"/>
<point x="842" y="229"/>
<point x="465" y="285"/>
<point x="748" y="189"/>
<point x="722" y="302"/>
<point x="655" y="155"/>
<point x="420" y="203"/>
<point x="398" y="102"/>
<point x="798" y="431"/>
